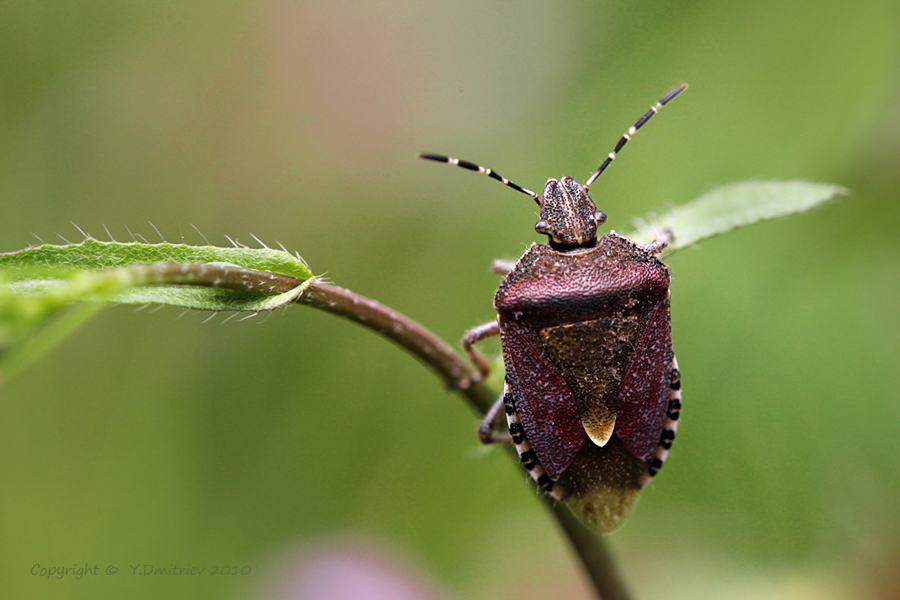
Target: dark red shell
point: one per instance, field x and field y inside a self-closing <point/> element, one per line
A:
<point x="547" y="406"/>
<point x="586" y="338"/>
<point x="644" y="393"/>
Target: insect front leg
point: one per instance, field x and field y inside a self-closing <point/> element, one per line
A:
<point x="503" y="267"/>
<point x="658" y="245"/>
<point x="474" y="335"/>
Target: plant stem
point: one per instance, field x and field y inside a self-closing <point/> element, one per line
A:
<point x="439" y="356"/>
<point x="458" y="375"/>
<point x="595" y="556"/>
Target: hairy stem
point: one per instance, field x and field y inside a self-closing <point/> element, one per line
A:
<point x="458" y="375"/>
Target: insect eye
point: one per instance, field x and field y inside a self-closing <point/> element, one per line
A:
<point x="599" y="217"/>
<point x="542" y="227"/>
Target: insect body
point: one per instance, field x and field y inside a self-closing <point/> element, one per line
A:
<point x="592" y="392"/>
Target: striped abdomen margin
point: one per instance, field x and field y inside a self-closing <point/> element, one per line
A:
<point x="671" y="424"/>
<point x="523" y="447"/>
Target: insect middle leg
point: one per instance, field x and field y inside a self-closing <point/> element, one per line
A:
<point x="475" y="335"/>
<point x="486" y="431"/>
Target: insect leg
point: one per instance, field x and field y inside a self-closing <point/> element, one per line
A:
<point x="658" y="245"/>
<point x="476" y="334"/>
<point x="503" y="267"/>
<point x="486" y="432"/>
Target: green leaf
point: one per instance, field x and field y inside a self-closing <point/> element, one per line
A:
<point x="37" y="284"/>
<point x="732" y="206"/>
<point x="93" y="255"/>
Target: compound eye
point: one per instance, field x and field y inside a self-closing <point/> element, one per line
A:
<point x="542" y="227"/>
<point x="599" y="217"/>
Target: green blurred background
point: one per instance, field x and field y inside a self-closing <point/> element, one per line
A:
<point x="147" y="439"/>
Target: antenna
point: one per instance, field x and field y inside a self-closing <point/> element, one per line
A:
<point x="473" y="167"/>
<point x="640" y="123"/>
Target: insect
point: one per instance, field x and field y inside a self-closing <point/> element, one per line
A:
<point x="592" y="391"/>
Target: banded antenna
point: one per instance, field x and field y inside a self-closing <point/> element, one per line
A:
<point x="473" y="167"/>
<point x="640" y="123"/>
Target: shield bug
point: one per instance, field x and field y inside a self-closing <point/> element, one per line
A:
<point x="592" y="391"/>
